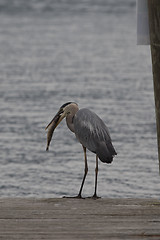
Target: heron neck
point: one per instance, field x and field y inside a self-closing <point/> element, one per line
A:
<point x="70" y="119"/>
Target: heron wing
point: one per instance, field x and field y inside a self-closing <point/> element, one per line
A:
<point x="93" y="133"/>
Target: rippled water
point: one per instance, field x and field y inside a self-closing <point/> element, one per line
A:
<point x="48" y="58"/>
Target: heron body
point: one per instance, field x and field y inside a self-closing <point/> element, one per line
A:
<point x="90" y="131"/>
<point x="93" y="134"/>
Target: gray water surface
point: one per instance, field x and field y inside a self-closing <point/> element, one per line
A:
<point x="86" y="52"/>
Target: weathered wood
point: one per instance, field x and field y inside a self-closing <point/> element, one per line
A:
<point x="154" y="26"/>
<point x="79" y="219"/>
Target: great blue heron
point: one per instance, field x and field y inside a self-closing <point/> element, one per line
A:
<point x="91" y="132"/>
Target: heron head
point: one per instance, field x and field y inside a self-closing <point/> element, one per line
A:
<point x="65" y="109"/>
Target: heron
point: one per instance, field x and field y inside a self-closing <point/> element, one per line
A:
<point x="90" y="131"/>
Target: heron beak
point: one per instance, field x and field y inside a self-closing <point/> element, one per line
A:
<point x="57" y="119"/>
<point x="52" y="125"/>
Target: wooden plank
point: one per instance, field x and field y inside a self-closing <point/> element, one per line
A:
<point x="154" y="25"/>
<point x="79" y="219"/>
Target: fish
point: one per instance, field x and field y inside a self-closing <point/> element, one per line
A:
<point x="51" y="127"/>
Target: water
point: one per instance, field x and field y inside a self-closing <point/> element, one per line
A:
<point x="59" y="51"/>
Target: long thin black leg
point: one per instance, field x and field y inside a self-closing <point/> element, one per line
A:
<point x="85" y="173"/>
<point x="84" y="177"/>
<point x="96" y="175"/>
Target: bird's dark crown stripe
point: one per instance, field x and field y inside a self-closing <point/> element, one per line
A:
<point x="65" y="104"/>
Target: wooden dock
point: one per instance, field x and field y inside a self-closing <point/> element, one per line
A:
<point x="79" y="219"/>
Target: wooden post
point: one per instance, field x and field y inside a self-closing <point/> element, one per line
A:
<point x="154" y="27"/>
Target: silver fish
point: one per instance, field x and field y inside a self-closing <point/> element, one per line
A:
<point x="51" y="127"/>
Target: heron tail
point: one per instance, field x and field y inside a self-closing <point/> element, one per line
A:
<point x="106" y="152"/>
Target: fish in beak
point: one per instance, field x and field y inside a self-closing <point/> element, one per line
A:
<point x="52" y="125"/>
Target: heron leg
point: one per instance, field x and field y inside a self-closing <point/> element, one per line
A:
<point x="96" y="175"/>
<point x="85" y="173"/>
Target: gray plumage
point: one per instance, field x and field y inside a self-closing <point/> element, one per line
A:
<point x="92" y="133"/>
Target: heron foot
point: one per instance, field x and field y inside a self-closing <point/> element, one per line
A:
<point x="95" y="197"/>
<point x="78" y="197"/>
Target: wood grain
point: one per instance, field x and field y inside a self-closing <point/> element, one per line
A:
<point x="79" y="219"/>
